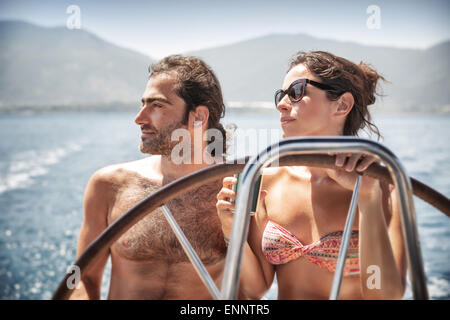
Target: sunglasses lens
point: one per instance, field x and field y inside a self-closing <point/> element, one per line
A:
<point x="296" y="92"/>
<point x="278" y="97"/>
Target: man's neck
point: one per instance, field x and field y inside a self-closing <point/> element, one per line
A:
<point x="172" y="171"/>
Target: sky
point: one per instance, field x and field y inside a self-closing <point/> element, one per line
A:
<point x="159" y="28"/>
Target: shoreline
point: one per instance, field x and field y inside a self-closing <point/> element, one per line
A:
<point x="229" y="110"/>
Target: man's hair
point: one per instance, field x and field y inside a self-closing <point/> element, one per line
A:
<point x="196" y="85"/>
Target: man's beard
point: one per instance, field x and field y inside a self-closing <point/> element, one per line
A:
<point x="160" y="142"/>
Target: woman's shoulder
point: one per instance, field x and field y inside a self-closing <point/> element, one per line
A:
<point x="271" y="176"/>
<point x="273" y="171"/>
<point x="276" y="173"/>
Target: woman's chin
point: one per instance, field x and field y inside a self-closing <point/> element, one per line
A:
<point x="290" y="134"/>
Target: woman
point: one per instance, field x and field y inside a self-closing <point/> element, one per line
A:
<point x="297" y="229"/>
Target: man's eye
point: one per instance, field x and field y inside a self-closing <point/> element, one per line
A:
<point x="153" y="105"/>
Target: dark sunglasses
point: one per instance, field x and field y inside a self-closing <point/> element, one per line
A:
<point x="296" y="90"/>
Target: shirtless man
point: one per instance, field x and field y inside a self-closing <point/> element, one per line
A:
<point x="147" y="261"/>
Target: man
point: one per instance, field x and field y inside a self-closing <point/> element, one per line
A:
<point x="147" y="261"/>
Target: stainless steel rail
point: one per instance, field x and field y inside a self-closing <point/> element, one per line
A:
<point x="349" y="222"/>
<point x="292" y="146"/>
<point x="192" y="255"/>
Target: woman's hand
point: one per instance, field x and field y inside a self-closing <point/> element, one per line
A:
<point x="225" y="208"/>
<point x="347" y="176"/>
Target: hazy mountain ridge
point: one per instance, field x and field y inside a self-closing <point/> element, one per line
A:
<point x="42" y="67"/>
<point x="48" y="66"/>
<point x="418" y="80"/>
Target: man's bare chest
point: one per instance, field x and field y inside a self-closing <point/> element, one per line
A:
<point x="152" y="237"/>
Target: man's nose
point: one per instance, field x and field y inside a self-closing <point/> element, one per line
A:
<point x="142" y="117"/>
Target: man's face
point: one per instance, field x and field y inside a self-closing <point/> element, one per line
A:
<point x="162" y="112"/>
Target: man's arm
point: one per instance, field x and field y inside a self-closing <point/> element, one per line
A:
<point x="96" y="200"/>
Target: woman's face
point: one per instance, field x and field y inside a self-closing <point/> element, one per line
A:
<point x="311" y="116"/>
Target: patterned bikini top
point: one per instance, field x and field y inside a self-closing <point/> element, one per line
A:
<point x="280" y="246"/>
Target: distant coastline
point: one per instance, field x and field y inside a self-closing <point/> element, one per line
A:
<point x="231" y="107"/>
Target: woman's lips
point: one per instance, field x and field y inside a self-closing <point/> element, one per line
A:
<point x="286" y="120"/>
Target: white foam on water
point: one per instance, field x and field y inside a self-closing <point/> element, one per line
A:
<point x="438" y="287"/>
<point x="27" y="165"/>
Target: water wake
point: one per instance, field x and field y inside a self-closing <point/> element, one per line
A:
<point x="25" y="166"/>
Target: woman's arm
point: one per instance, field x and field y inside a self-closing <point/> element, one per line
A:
<point x="256" y="278"/>
<point x="255" y="234"/>
<point x="381" y="249"/>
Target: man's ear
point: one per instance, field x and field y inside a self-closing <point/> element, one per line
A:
<point x="344" y="104"/>
<point x="199" y="116"/>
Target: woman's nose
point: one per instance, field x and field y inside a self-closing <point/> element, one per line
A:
<point x="284" y="105"/>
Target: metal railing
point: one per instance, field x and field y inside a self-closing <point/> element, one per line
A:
<point x="294" y="146"/>
<point x="192" y="255"/>
<point x="342" y="258"/>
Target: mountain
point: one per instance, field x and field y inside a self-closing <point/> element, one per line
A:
<point x="41" y="67"/>
<point x="57" y="66"/>
<point x="419" y="80"/>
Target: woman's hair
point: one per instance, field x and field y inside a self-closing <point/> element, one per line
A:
<point x="196" y="85"/>
<point x="345" y="76"/>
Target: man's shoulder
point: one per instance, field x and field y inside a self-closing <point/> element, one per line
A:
<point x="121" y="173"/>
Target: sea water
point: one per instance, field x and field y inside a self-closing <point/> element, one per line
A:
<point x="46" y="161"/>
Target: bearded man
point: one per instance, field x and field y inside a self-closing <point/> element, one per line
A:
<point x="147" y="262"/>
